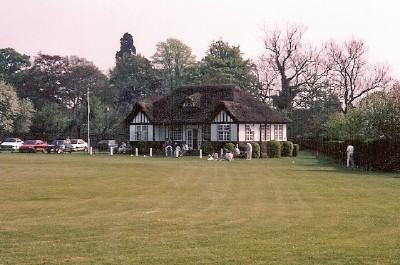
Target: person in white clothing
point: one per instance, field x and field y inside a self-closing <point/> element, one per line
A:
<point x="249" y="151"/>
<point x="350" y="156"/>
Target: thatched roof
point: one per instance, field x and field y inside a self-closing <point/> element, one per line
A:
<point x="200" y="104"/>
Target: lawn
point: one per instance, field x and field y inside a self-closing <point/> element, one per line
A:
<point x="76" y="209"/>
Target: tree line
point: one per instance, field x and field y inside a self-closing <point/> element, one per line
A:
<point x="321" y="89"/>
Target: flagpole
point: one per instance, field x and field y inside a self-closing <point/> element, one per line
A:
<point x="88" y="120"/>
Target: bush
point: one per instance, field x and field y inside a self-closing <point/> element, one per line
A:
<point x="230" y="147"/>
<point x="207" y="148"/>
<point x="274" y="149"/>
<point x="287" y="148"/>
<point x="142" y="147"/>
<point x="256" y="150"/>
<point x="296" y="149"/>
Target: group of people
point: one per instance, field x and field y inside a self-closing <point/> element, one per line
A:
<point x="226" y="154"/>
<point x="175" y="149"/>
<point x="125" y="148"/>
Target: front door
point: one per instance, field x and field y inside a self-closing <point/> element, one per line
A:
<point x="195" y="147"/>
<point x="189" y="138"/>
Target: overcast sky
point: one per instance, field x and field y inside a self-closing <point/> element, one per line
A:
<point x="92" y="28"/>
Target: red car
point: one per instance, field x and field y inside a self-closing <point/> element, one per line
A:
<point x="33" y="146"/>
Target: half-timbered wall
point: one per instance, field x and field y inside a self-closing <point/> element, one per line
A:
<point x="140" y="118"/>
<point x="223" y="117"/>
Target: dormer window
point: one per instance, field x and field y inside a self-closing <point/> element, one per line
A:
<point x="192" y="101"/>
<point x="188" y="103"/>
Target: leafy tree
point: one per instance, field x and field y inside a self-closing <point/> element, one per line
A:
<point x="127" y="46"/>
<point x="50" y="120"/>
<point x="133" y="79"/>
<point x="45" y="82"/>
<point x="224" y="63"/>
<point x="172" y="58"/>
<point x="23" y="121"/>
<point x="383" y="112"/>
<point x="9" y="107"/>
<point x="11" y="62"/>
<point x="105" y="120"/>
<point x="309" y="121"/>
<point x="83" y="77"/>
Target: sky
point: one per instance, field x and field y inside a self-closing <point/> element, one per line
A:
<point x="92" y="28"/>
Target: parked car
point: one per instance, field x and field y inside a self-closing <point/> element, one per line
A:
<point x="79" y="145"/>
<point x="33" y="146"/>
<point x="105" y="145"/>
<point x="11" y="144"/>
<point x="60" y="146"/>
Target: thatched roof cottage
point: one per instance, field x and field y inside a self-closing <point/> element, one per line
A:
<point x="195" y="114"/>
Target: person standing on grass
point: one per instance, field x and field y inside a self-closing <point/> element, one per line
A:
<point x="249" y="151"/>
<point x="350" y="156"/>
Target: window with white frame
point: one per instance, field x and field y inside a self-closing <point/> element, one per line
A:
<point x="278" y="132"/>
<point x="175" y="133"/>
<point x="206" y="131"/>
<point x="224" y="132"/>
<point x="141" y="132"/>
<point x="265" y="132"/>
<point x="249" y="132"/>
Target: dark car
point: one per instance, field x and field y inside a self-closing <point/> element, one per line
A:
<point x="59" y="146"/>
<point x="33" y="146"/>
<point x="105" y="145"/>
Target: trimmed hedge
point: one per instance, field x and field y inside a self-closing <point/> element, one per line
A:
<point x="143" y="147"/>
<point x="256" y="150"/>
<point x="287" y="148"/>
<point x="207" y="148"/>
<point x="374" y="155"/>
<point x="273" y="149"/>
<point x="296" y="149"/>
<point x="230" y="147"/>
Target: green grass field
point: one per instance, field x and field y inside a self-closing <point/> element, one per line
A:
<point x="76" y="209"/>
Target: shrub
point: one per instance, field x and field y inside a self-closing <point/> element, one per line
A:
<point x="287" y="148"/>
<point x="274" y="149"/>
<point x="296" y="149"/>
<point x="230" y="147"/>
<point x="207" y="148"/>
<point x="142" y="147"/>
<point x="263" y="147"/>
<point x="256" y="150"/>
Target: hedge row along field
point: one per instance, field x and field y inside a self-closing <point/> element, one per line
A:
<point x="375" y="155"/>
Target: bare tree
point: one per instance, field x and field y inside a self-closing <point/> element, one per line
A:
<point x="267" y="78"/>
<point x="350" y="74"/>
<point x="290" y="60"/>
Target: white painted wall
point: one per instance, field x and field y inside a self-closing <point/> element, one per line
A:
<point x="131" y="133"/>
<point x="150" y="136"/>
<point x="242" y="133"/>
<point x="284" y="133"/>
<point x="234" y="132"/>
<point x="214" y="136"/>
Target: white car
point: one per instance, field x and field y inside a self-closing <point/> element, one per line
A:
<point x="79" y="145"/>
<point x="11" y="144"/>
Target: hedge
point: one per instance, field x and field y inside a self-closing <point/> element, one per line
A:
<point x="207" y="148"/>
<point x="273" y="149"/>
<point x="256" y="150"/>
<point x="374" y="155"/>
<point x="230" y="147"/>
<point x="296" y="149"/>
<point x="287" y="148"/>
